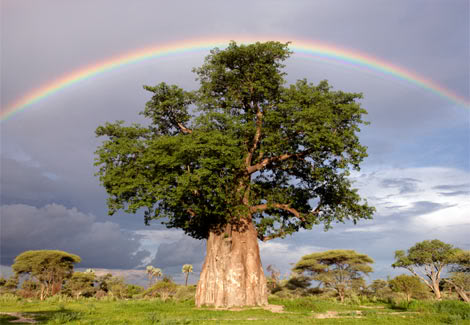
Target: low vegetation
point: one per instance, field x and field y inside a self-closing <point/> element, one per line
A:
<point x="324" y="287"/>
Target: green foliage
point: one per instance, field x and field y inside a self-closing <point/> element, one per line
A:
<point x="81" y="284"/>
<point x="379" y="289"/>
<point x="461" y="309"/>
<point x="428" y="252"/>
<point x="50" y="267"/>
<point x="411" y="286"/>
<point x="64" y="317"/>
<point x="336" y="269"/>
<point x="242" y="145"/>
<point x="133" y="290"/>
<point x="163" y="290"/>
<point x="10" y="284"/>
<point x="427" y="260"/>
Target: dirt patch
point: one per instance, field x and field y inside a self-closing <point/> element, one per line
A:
<point x="335" y="314"/>
<point x="271" y="308"/>
<point x="21" y="318"/>
<point x="274" y="308"/>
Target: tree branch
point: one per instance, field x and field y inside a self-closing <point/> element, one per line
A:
<point x="266" y="161"/>
<point x="184" y="129"/>
<point x="259" y="122"/>
<point x="285" y="207"/>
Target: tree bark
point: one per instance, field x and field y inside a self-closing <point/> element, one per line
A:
<point x="232" y="274"/>
<point x="435" y="288"/>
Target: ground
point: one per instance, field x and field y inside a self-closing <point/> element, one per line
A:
<point x="59" y="310"/>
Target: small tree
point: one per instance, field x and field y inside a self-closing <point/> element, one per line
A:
<point x="164" y="289"/>
<point x="411" y="286"/>
<point x="187" y="268"/>
<point x="335" y="269"/>
<point x="50" y="267"/>
<point x="379" y="288"/>
<point x="427" y="261"/>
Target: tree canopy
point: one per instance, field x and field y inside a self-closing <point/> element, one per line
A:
<point x="427" y="260"/>
<point x="243" y="144"/>
<point x="336" y="269"/>
<point x="49" y="267"/>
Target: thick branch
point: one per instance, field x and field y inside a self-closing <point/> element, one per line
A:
<point x="419" y="276"/>
<point x="259" y="122"/>
<point x="285" y="207"/>
<point x="267" y="161"/>
<point x="184" y="129"/>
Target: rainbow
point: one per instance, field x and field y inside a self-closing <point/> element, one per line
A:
<point x="307" y="48"/>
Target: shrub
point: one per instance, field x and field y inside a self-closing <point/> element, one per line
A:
<point x="184" y="293"/>
<point x="163" y="289"/>
<point x="452" y="307"/>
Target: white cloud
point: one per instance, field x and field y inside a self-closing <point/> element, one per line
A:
<point x="422" y="197"/>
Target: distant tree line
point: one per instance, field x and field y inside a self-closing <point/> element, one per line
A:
<point x="45" y="273"/>
<point x="435" y="270"/>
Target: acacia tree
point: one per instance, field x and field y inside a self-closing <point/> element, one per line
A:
<point x="241" y="158"/>
<point x="337" y="269"/>
<point x="427" y="260"/>
<point x="49" y="267"/>
<point x="460" y="274"/>
<point x="187" y="268"/>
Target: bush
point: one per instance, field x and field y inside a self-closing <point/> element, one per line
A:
<point x="162" y="289"/>
<point x="184" y="293"/>
<point x="458" y="308"/>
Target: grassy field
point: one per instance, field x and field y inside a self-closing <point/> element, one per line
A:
<point x="59" y="310"/>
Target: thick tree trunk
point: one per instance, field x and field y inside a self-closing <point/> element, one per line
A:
<point x="232" y="274"/>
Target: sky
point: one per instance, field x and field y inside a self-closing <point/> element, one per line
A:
<point x="417" y="174"/>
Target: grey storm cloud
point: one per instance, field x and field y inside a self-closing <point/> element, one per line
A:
<point x="175" y="254"/>
<point x="47" y="150"/>
<point x="99" y="244"/>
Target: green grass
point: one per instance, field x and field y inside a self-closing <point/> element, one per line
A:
<point x="59" y="310"/>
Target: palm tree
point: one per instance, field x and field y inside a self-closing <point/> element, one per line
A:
<point x="153" y="272"/>
<point x="187" y="268"/>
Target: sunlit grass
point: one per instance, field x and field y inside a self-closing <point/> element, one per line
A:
<point x="296" y="311"/>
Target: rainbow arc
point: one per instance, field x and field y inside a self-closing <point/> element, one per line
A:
<point x="305" y="47"/>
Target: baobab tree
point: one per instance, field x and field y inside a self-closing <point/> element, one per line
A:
<point x="241" y="159"/>
<point x="187" y="268"/>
